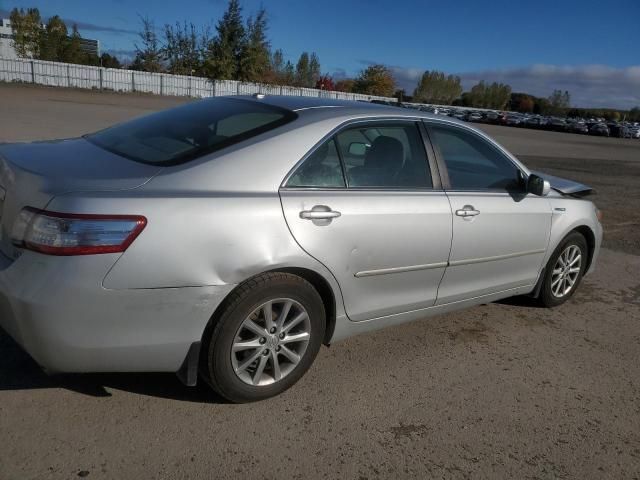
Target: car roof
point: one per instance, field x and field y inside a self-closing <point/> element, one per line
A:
<point x="297" y="103"/>
<point x="314" y="106"/>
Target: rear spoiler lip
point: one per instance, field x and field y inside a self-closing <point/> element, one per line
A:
<point x="565" y="186"/>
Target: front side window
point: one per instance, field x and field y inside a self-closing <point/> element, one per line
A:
<point x="474" y="164"/>
<point x="384" y="155"/>
<point x="190" y="131"/>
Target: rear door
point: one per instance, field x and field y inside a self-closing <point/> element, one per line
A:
<point x="500" y="232"/>
<point x="367" y="204"/>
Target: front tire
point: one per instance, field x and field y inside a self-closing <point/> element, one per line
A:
<point x="266" y="337"/>
<point x="564" y="271"/>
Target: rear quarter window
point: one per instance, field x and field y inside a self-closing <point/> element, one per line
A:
<point x="190" y="131"/>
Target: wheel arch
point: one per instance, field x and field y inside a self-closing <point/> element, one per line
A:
<point x="317" y="281"/>
<point x="590" y="237"/>
<point x="325" y="291"/>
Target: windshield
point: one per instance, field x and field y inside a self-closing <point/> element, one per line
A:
<point x="190" y="131"/>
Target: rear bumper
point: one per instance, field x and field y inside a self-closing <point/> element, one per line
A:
<point x="58" y="311"/>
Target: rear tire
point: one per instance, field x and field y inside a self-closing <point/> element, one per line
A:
<point x="265" y="338"/>
<point x="564" y="270"/>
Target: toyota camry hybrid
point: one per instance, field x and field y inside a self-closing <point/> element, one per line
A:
<point x="229" y="238"/>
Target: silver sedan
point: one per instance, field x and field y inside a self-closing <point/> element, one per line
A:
<point x="229" y="238"/>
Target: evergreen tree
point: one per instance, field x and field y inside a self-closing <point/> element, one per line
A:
<point x="303" y="76"/>
<point x="73" y="52"/>
<point x="277" y="62"/>
<point x="109" y="61"/>
<point x="225" y="51"/>
<point x="314" y="69"/>
<point x="53" y="40"/>
<point x="277" y="67"/>
<point x="256" y="54"/>
<point x="289" y="75"/>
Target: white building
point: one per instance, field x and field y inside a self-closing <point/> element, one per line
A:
<point x="6" y="42"/>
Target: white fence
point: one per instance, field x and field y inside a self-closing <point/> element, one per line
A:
<point x="82" y="76"/>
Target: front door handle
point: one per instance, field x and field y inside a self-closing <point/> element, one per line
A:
<point x="467" y="211"/>
<point x="319" y="212"/>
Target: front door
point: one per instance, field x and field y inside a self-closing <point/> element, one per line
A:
<point x="364" y="204"/>
<point x="500" y="232"/>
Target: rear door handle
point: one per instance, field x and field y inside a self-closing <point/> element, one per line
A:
<point x="467" y="211"/>
<point x="319" y="212"/>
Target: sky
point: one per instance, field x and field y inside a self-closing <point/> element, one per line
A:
<point x="589" y="47"/>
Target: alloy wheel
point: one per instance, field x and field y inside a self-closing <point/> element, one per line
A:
<point x="270" y="342"/>
<point x="566" y="271"/>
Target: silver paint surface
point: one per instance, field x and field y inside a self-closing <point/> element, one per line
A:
<point x="391" y="256"/>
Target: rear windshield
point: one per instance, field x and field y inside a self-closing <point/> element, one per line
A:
<point x="190" y="131"/>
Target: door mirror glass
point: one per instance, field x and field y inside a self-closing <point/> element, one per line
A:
<point x="537" y="186"/>
<point x="357" y="149"/>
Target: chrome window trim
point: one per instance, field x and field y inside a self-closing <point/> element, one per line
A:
<point x="377" y="190"/>
<point x="416" y="121"/>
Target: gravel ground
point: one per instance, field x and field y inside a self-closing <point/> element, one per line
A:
<point x="505" y="390"/>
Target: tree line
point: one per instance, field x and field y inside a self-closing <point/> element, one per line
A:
<point x="239" y="49"/>
<point x="437" y="88"/>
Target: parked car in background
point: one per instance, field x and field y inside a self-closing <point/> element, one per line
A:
<point x="492" y="117"/>
<point x="556" y="124"/>
<point x="579" y="127"/>
<point x="513" y="120"/>
<point x="534" y="122"/>
<point x="475" y="117"/>
<point x="232" y="237"/>
<point x="618" y="130"/>
<point x="460" y="115"/>
<point x="599" y="129"/>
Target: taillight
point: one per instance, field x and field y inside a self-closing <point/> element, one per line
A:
<point x="55" y="233"/>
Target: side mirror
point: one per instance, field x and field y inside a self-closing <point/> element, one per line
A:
<point x="537" y="186"/>
<point x="357" y="149"/>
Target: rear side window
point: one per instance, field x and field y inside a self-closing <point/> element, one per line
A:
<point x="190" y="131"/>
<point x="321" y="169"/>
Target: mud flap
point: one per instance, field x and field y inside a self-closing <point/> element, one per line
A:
<point x="188" y="373"/>
<point x="536" y="291"/>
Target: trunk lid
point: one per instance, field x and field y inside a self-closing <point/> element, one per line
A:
<point x="31" y="174"/>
